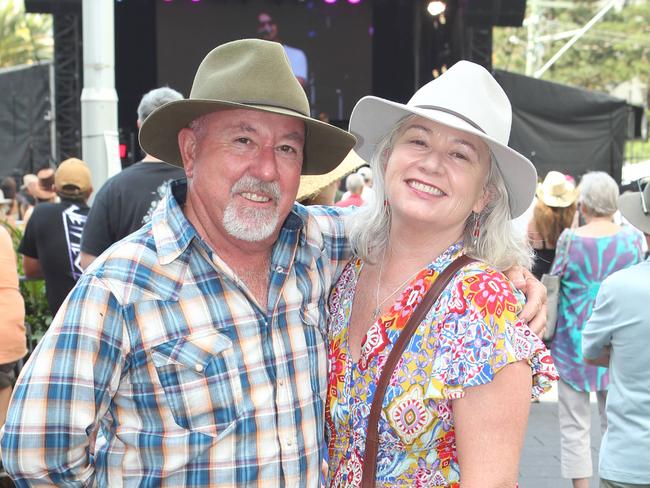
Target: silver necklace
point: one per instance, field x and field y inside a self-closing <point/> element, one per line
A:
<point x="377" y="311"/>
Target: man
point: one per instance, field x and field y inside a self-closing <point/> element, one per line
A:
<point x="267" y="29"/>
<point x="50" y="245"/>
<point x="617" y="336"/>
<point x="126" y="201"/>
<point x="195" y="348"/>
<point x="354" y="185"/>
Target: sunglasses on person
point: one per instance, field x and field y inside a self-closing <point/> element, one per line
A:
<point x="642" y="184"/>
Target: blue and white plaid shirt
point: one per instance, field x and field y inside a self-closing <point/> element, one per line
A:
<point x="163" y="350"/>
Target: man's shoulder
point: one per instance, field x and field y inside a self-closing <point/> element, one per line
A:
<point x="132" y="270"/>
<point x="627" y="279"/>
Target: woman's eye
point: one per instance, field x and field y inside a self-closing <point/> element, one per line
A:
<point x="458" y="155"/>
<point x="418" y="142"/>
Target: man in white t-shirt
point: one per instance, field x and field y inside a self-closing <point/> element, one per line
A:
<point x="267" y="29"/>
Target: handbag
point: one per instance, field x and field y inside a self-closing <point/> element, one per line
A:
<point x="552" y="284"/>
<point x="369" y="470"/>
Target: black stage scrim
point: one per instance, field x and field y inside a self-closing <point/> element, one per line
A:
<point x="336" y="40"/>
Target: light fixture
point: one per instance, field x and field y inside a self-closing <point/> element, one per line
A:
<point x="436" y="8"/>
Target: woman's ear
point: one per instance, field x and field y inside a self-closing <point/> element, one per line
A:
<point x="482" y="201"/>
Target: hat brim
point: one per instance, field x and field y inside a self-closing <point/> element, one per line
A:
<point x="373" y="118"/>
<point x="325" y="145"/>
<point x="559" y="202"/>
<point x="312" y="185"/>
<point x="630" y="206"/>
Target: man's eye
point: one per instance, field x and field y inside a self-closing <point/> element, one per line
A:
<point x="285" y="148"/>
<point x="243" y="140"/>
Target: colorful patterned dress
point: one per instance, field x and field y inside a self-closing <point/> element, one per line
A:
<point x="470" y="333"/>
<point x="589" y="261"/>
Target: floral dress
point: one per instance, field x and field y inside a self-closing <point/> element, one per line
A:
<point x="470" y="333"/>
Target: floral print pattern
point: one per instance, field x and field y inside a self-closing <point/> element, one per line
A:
<point x="470" y="333"/>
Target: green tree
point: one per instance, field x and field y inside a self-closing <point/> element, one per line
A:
<point x="614" y="50"/>
<point x="24" y="38"/>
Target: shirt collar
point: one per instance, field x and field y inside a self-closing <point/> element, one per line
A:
<point x="173" y="233"/>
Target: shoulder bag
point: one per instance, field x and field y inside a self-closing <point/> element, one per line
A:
<point x="369" y="471"/>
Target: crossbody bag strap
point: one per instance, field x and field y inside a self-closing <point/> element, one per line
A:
<point x="417" y="316"/>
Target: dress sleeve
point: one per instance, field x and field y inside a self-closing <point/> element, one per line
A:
<point x="480" y="333"/>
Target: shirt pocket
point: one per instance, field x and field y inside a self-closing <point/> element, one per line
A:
<point x="200" y="378"/>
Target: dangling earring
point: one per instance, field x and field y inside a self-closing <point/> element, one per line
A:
<point x="477" y="229"/>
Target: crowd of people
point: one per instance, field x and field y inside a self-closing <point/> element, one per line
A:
<point x="224" y="315"/>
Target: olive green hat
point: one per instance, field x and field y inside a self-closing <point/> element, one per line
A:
<point x="252" y="74"/>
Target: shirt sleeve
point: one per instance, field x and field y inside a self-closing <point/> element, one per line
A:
<point x="598" y="331"/>
<point x="332" y="224"/>
<point x="481" y="334"/>
<point x="27" y="246"/>
<point x="97" y="234"/>
<point x="64" y="390"/>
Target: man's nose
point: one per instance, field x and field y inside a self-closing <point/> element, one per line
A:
<point x="265" y="166"/>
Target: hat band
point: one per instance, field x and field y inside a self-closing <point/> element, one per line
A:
<point x="455" y="114"/>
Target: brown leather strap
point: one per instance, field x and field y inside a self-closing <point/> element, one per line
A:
<point x="372" y="436"/>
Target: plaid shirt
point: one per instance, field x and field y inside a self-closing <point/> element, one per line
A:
<point x="189" y="383"/>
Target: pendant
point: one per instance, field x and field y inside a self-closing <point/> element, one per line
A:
<point x="375" y="314"/>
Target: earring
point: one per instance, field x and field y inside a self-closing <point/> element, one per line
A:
<point x="477" y="229"/>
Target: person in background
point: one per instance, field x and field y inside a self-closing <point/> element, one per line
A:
<point x="617" y="336"/>
<point x="456" y="408"/>
<point x="42" y="190"/>
<point x="126" y="201"/>
<point x="354" y="185"/>
<point x="321" y="189"/>
<point x="9" y="192"/>
<point x="554" y="211"/>
<point x="50" y="244"/>
<point x="585" y="257"/>
<point x="268" y="29"/>
<point x="13" y="345"/>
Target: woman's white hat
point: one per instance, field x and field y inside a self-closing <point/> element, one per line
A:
<point x="557" y="191"/>
<point x="466" y="97"/>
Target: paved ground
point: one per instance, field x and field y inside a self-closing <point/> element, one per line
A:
<point x="540" y="460"/>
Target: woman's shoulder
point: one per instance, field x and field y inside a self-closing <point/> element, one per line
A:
<point x="485" y="290"/>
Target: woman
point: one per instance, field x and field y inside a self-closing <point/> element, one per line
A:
<point x="585" y="258"/>
<point x="445" y="184"/>
<point x="554" y="211"/>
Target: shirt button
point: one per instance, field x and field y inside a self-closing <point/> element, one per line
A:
<point x="289" y="442"/>
<point x="281" y="382"/>
<point x="198" y="368"/>
<point x="279" y="269"/>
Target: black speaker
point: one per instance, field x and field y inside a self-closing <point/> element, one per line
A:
<point x="494" y="12"/>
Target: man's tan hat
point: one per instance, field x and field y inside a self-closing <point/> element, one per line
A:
<point x="72" y="178"/>
<point x="556" y="190"/>
<point x="252" y="74"/>
<point x="635" y="206"/>
<point x="44" y="190"/>
<point x="312" y="185"/>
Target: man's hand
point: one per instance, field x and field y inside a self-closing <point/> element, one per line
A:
<point x="534" y="311"/>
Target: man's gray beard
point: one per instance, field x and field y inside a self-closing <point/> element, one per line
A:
<point x="252" y="224"/>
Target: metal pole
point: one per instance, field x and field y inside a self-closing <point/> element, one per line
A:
<point x="575" y="38"/>
<point x="100" y="142"/>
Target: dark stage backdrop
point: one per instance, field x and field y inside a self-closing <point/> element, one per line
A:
<point x="336" y="39"/>
<point x="564" y="128"/>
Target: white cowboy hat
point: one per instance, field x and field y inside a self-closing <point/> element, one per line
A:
<point x="635" y="206"/>
<point x="466" y="97"/>
<point x="557" y="191"/>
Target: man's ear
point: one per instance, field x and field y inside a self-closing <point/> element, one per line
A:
<point x="187" y="144"/>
